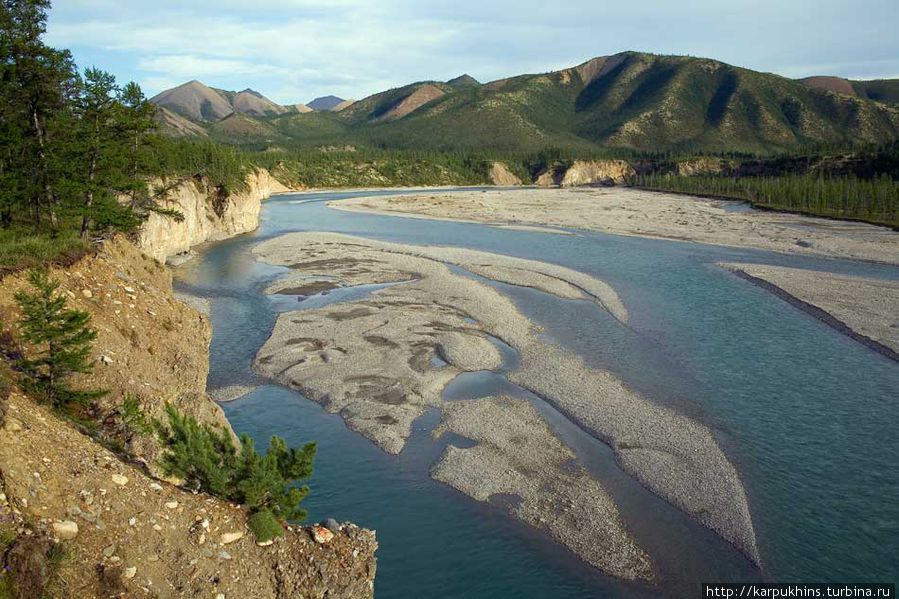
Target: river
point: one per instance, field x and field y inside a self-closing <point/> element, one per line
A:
<point x="806" y="414"/>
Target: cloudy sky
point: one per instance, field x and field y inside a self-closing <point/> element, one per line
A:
<point x="294" y="50"/>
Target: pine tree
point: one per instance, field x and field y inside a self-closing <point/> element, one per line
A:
<point x="207" y="460"/>
<point x="61" y="340"/>
<point x="37" y="83"/>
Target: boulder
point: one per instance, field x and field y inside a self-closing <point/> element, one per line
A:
<point x="321" y="535"/>
<point x="65" y="529"/>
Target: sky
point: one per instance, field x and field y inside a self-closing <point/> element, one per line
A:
<point x="295" y="50"/>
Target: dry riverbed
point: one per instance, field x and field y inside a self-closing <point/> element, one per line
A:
<point x="375" y="361"/>
<point x="625" y="211"/>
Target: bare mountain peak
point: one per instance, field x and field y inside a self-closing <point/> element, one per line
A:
<point x="195" y="101"/>
<point x="325" y="103"/>
<point x="198" y="102"/>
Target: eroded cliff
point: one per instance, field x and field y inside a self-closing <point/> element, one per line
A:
<point x="210" y="213"/>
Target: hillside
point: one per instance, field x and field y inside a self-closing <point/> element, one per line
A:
<point x="194" y="101"/>
<point x="198" y="102"/>
<point x="630" y="101"/>
<point x="880" y="90"/>
<point x="326" y="103"/>
<point x="175" y="125"/>
<point x="121" y="530"/>
<point x="253" y="103"/>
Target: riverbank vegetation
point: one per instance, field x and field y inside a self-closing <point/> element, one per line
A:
<point x="874" y="200"/>
<point x="78" y="149"/>
<point x="207" y="460"/>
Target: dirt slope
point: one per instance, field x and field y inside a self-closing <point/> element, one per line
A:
<point x="125" y="533"/>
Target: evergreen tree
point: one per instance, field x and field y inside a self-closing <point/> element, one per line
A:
<point x="60" y="339"/>
<point x="37" y="82"/>
<point x="207" y="459"/>
<point x="95" y="142"/>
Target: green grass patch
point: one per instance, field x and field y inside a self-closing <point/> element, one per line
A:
<point x="265" y="526"/>
<point x="21" y="248"/>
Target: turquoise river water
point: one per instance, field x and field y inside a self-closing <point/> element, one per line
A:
<point x="807" y="415"/>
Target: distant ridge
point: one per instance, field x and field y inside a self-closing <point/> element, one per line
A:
<point x="200" y="103"/>
<point x="325" y="103"/>
<point x="631" y="100"/>
<point x="880" y="90"/>
<point x="252" y="103"/>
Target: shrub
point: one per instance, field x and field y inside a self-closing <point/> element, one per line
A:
<point x="265" y="526"/>
<point x="206" y="458"/>
<point x="135" y="421"/>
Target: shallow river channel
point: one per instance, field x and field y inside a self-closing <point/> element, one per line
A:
<point x="807" y="415"/>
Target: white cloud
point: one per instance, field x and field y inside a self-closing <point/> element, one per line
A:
<point x="294" y="49"/>
<point x="186" y="65"/>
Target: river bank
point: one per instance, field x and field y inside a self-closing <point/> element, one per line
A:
<point x="624" y="211"/>
<point x="98" y="491"/>
<point x="864" y="309"/>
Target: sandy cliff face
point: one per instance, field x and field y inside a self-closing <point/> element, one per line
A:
<point x="606" y="172"/>
<point x="150" y="347"/>
<point x="210" y="214"/>
<point x="499" y="174"/>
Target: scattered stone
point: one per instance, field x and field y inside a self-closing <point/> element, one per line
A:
<point x="230" y="537"/>
<point x="106" y="359"/>
<point x="129" y="573"/>
<point x="120" y="479"/>
<point x="87" y="293"/>
<point x="171" y="504"/>
<point x="321" y="535"/>
<point x="109" y="551"/>
<point x="265" y="543"/>
<point x="224" y="555"/>
<point x="332" y="525"/>
<point x="155" y="487"/>
<point x="65" y="529"/>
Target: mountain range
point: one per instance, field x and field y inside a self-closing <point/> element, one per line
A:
<point x="199" y="103"/>
<point x="632" y="100"/>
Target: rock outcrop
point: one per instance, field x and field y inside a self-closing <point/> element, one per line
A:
<point x="549" y="178"/>
<point x="597" y="172"/>
<point x="499" y="174"/>
<point x="704" y="166"/>
<point x="210" y="213"/>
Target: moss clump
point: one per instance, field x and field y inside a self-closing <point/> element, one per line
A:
<point x="265" y="526"/>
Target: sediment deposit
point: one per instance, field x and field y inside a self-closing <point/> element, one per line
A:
<point x="865" y="309"/>
<point x="625" y="211"/>
<point x="371" y="361"/>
